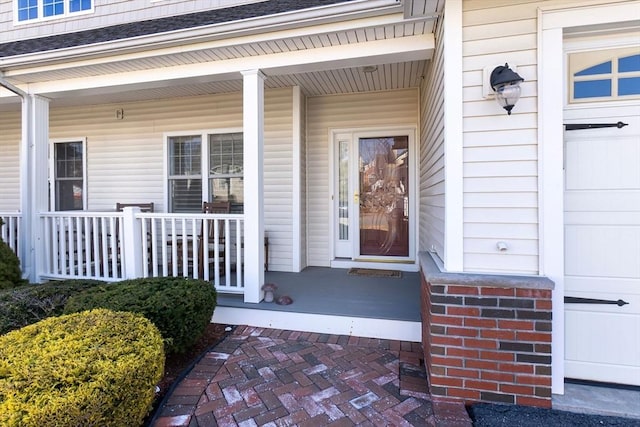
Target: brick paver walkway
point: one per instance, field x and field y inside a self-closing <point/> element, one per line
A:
<point x="272" y="377"/>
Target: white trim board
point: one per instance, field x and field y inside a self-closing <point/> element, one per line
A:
<point x="320" y="323"/>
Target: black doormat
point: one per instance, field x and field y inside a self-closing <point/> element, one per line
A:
<point x="370" y="272"/>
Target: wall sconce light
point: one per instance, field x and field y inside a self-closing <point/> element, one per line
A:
<point x="506" y="84"/>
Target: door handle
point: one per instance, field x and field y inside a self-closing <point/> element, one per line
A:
<point x="356" y="196"/>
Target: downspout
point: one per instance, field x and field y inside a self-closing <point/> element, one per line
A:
<point x="26" y="248"/>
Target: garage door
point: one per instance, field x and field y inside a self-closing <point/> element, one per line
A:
<point x="602" y="218"/>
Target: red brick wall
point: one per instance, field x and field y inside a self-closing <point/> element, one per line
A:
<point x="488" y="343"/>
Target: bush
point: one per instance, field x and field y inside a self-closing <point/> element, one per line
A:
<point x="10" y="273"/>
<point x="29" y="304"/>
<point x="181" y="308"/>
<point x="97" y="368"/>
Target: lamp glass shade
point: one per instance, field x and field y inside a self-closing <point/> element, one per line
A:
<point x="507" y="95"/>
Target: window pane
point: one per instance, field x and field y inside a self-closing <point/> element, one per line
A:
<point x="228" y="189"/>
<point x="53" y="7"/>
<point x="185" y="155"/>
<point x="629" y="63"/>
<point x="69" y="195"/>
<point x="27" y="9"/>
<point x="226" y="154"/>
<point x="592" y="89"/>
<point x="79" y="5"/>
<point x="185" y="195"/>
<point x="68" y="160"/>
<point x="629" y="86"/>
<point x="604" y="68"/>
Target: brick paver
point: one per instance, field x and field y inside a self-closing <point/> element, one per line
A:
<point x="272" y="377"/>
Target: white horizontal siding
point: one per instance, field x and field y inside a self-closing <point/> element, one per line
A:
<point x="432" y="185"/>
<point x="10" y="136"/>
<point x="369" y="110"/>
<point x="105" y="13"/>
<point x="278" y="178"/>
<point x="500" y="151"/>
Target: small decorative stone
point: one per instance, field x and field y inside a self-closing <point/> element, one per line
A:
<point x="268" y="289"/>
<point x="284" y="300"/>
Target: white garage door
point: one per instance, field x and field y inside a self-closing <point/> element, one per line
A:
<point x="602" y="223"/>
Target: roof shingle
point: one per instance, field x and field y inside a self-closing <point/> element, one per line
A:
<point x="156" y="26"/>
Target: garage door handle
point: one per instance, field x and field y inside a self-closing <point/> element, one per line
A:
<point x="578" y="126"/>
<point x="576" y="300"/>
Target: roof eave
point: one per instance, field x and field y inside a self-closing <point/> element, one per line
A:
<point x="283" y="21"/>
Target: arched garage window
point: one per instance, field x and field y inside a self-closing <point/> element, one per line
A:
<point x="604" y="75"/>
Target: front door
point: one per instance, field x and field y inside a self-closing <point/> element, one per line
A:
<point x="372" y="201"/>
<point x="602" y="218"/>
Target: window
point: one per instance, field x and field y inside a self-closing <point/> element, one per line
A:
<point x="215" y="174"/>
<point x="226" y="168"/>
<point x="68" y="176"/>
<point x="605" y="75"/>
<point x="29" y="10"/>
<point x="185" y="173"/>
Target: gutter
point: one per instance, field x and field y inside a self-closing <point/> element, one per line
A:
<point x="4" y="83"/>
<point x="258" y="25"/>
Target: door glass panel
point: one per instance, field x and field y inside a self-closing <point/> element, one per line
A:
<point x="343" y="191"/>
<point x="384" y="196"/>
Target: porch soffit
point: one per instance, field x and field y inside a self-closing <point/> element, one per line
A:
<point x="321" y="64"/>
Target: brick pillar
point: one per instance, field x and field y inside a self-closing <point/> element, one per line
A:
<point x="487" y="341"/>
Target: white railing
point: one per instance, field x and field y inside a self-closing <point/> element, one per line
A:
<point x="10" y="231"/>
<point x="119" y="245"/>
<point x="205" y="246"/>
<point x="83" y="245"/>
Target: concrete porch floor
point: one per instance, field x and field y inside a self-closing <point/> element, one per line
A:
<point x="329" y="300"/>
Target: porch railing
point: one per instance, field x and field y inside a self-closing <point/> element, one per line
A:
<point x="11" y="230"/>
<point x="119" y="245"/>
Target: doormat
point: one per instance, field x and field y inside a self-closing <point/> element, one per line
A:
<point x="370" y="272"/>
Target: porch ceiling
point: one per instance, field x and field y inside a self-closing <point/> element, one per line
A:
<point x="323" y="59"/>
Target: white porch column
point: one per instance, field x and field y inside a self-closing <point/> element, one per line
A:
<point x="34" y="195"/>
<point x="253" y="126"/>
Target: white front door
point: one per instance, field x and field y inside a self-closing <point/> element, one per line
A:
<point x="372" y="198"/>
<point x="602" y="225"/>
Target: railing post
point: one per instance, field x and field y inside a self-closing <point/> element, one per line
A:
<point x="131" y="241"/>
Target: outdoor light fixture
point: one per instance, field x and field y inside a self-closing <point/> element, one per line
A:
<point x="506" y="84"/>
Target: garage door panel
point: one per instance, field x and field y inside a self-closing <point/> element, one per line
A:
<point x="603" y="164"/>
<point x="584" y="285"/>
<point x="594" y="372"/>
<point x="600" y="327"/>
<point x="603" y="218"/>
<point x="604" y="251"/>
<point x="603" y="201"/>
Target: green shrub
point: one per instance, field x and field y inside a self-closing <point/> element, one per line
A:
<point x="96" y="368"/>
<point x="181" y="308"/>
<point x="10" y="273"/>
<point x="28" y="304"/>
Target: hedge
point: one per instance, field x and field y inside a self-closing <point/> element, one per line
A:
<point x="29" y="304"/>
<point x="180" y="307"/>
<point x="96" y="368"/>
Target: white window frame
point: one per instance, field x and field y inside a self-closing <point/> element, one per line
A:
<point x="52" y="170"/>
<point x="41" y="17"/>
<point x="204" y="172"/>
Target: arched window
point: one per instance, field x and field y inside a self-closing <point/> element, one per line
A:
<point x="594" y="78"/>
